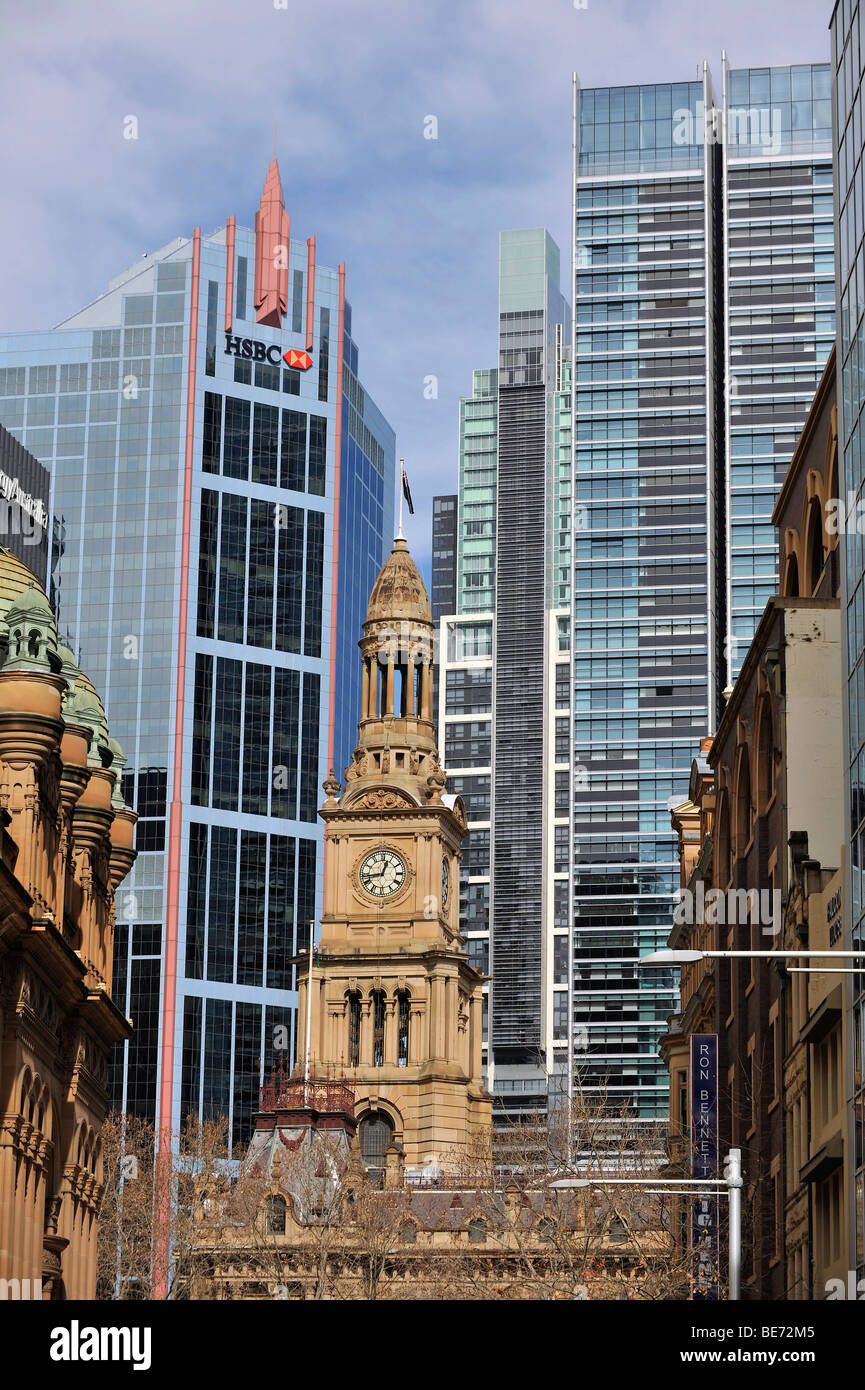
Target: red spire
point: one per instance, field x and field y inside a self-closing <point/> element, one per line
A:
<point x="272" y="233"/>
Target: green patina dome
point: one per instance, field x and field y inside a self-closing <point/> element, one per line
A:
<point x="24" y="609"/>
<point x="15" y="579"/>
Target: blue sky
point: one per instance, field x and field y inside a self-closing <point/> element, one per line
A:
<point x="350" y="83"/>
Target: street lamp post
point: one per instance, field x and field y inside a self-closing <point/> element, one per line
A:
<point x="733" y="1179"/>
<point x="671" y="957"/>
<point x="733" y="1163"/>
<point x="730" y="1184"/>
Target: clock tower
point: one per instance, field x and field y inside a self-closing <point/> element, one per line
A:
<point x="395" y="1006"/>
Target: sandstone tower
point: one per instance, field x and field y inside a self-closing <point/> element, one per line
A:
<point x="396" y="1007"/>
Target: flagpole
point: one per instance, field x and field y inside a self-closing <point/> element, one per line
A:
<point x="400" y="534"/>
<point x="307" y="1065"/>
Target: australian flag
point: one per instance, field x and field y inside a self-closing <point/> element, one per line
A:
<point x="406" y="490"/>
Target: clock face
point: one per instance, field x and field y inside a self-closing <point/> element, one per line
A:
<point x="382" y="873"/>
<point x="446" y="878"/>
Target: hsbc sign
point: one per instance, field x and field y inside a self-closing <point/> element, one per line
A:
<point x="257" y="351"/>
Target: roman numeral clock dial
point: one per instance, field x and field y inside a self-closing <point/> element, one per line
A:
<point x="382" y="873"/>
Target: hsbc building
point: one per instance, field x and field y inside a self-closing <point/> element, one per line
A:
<point x="224" y="488"/>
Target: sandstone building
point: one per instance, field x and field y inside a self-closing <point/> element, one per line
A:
<point x="395" y="1005"/>
<point x="371" y="1173"/>
<point x="763" y="827"/>
<point x="65" y="844"/>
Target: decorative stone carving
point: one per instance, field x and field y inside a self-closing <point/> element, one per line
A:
<point x="436" y="783"/>
<point x="382" y="799"/>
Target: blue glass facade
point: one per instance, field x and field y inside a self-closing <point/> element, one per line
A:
<point x="848" y="62"/>
<point x="366" y="515"/>
<point x="104" y="406"/>
<point x="644" y="450"/>
<point x="779" y="310"/>
<point x="703" y="317"/>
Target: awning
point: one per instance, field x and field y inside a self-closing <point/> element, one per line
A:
<point x="827" y="1158"/>
<point x="823" y="1019"/>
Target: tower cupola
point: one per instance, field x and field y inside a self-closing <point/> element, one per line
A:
<point x="396" y="733"/>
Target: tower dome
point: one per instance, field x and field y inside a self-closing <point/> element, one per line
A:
<point x="396" y="733"/>
<point x="399" y="592"/>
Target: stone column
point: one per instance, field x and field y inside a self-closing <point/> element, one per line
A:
<point x="329" y="1047"/>
<point x="390" y="1038"/>
<point x="477" y="1028"/>
<point x="434" y="1021"/>
<point x="425" y="692"/>
<point x="388" y="701"/>
<point x="301" y="1017"/>
<point x="366" y="1038"/>
<point x="409" y="686"/>
<point x="372" y="709"/>
<point x="315" y="1021"/>
<point x="449" y="1049"/>
<point x="414" y="1027"/>
<point x="364" y="696"/>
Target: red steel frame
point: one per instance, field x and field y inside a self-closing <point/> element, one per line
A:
<point x="175" y="826"/>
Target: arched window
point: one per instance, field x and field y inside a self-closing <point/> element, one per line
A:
<point x="722" y="841"/>
<point x="378" y="1028"/>
<point x="402" y="1003"/>
<point x="477" y="1230"/>
<point x="765" y="756"/>
<point x="408" y="1233"/>
<point x="790" y="579"/>
<point x="742" y="825"/>
<point x="274" y="1216"/>
<point x="814" y="548"/>
<point x="353" y="1030"/>
<point x="375" y="1133"/>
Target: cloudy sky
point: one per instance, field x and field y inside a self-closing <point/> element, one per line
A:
<point x="350" y="83"/>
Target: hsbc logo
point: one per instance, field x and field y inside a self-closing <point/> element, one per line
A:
<point x="297" y="358"/>
<point x="257" y="351"/>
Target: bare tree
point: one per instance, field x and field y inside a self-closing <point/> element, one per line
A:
<point x="148" y="1243"/>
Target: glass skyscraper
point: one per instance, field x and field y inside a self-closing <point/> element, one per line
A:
<point x="593" y="640"/>
<point x="223" y="486"/>
<point x="443" y="591"/>
<point x="848" y="61"/>
<point x="703" y="287"/>
<point x="513" y="588"/>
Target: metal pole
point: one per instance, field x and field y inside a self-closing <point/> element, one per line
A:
<point x="399" y="531"/>
<point x="733" y="1177"/>
<point x="732" y="1181"/>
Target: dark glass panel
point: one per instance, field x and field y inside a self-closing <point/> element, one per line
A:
<point x="314" y="574"/>
<point x="286" y="725"/>
<point x="293" y="471"/>
<point x="223" y="899"/>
